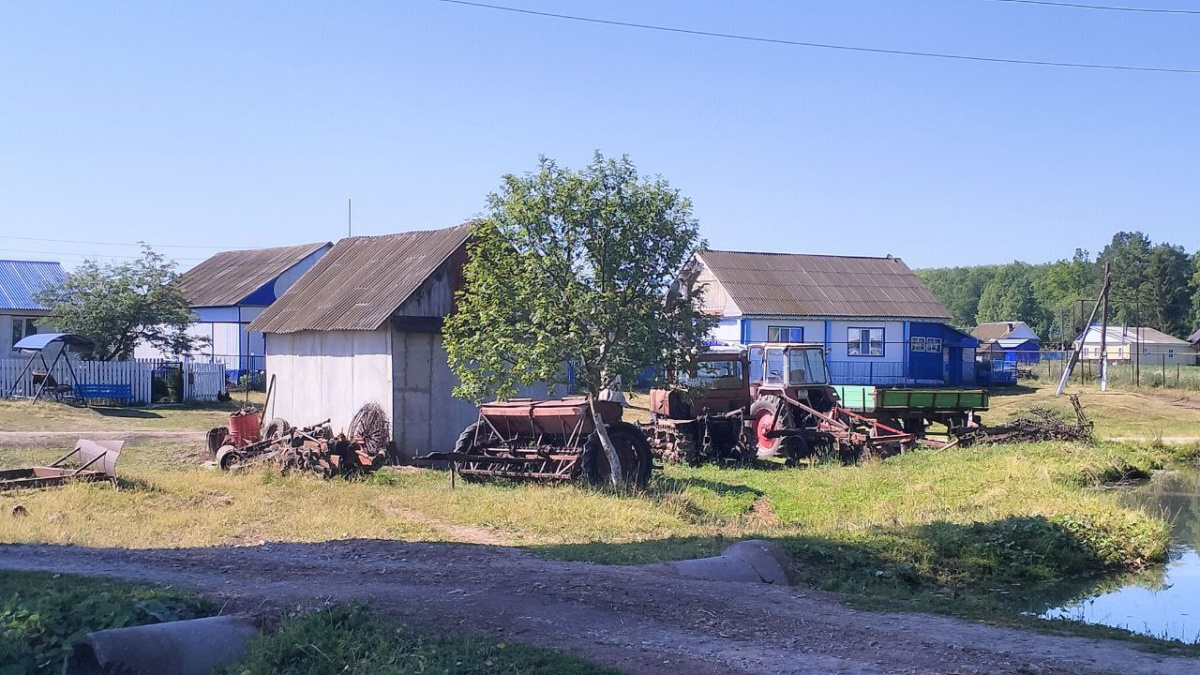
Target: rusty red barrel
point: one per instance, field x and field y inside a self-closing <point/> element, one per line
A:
<point x="243" y="427"/>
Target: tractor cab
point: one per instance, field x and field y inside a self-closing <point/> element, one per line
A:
<point x="721" y="384"/>
<point x="795" y="369"/>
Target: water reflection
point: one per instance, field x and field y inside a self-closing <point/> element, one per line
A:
<point x="1164" y="602"/>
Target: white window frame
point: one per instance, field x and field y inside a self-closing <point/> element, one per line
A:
<point x="781" y="329"/>
<point x="933" y="345"/>
<point x="856" y="333"/>
<point x="23" y="327"/>
<point x="916" y="344"/>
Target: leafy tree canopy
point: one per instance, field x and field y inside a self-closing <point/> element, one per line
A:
<point x="120" y="306"/>
<point x="576" y="266"/>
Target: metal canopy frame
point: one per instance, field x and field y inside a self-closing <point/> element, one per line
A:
<point x="67" y="340"/>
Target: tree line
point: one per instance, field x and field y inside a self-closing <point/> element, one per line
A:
<point x="1153" y="284"/>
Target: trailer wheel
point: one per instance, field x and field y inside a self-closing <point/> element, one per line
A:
<point x="637" y="461"/>
<point x="276" y="428"/>
<point x="763" y="412"/>
<point x="228" y="458"/>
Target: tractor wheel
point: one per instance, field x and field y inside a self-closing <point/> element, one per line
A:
<point x="763" y="412"/>
<point x="276" y="428"/>
<point x="632" y="449"/>
<point x="215" y="438"/>
<point x="795" y="449"/>
<point x="680" y="446"/>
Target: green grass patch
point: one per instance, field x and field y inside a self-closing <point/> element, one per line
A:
<point x="352" y="639"/>
<point x="42" y="615"/>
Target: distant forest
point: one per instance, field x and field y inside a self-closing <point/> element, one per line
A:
<point x="1153" y="284"/>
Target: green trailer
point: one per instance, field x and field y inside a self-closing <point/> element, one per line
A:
<point x="914" y="410"/>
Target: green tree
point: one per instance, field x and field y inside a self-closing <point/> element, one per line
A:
<point x="1196" y="291"/>
<point x="1128" y="259"/>
<point x="1168" y="272"/>
<point x="1060" y="287"/>
<point x="1009" y="297"/>
<point x="576" y="267"/>
<point x="959" y="288"/>
<point x="120" y="306"/>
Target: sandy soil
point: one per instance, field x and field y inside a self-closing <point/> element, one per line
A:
<point x="637" y="620"/>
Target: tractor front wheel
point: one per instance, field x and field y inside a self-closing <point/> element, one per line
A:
<point x="768" y="415"/>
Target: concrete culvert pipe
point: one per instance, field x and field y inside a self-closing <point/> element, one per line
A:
<point x="752" y="560"/>
<point x="192" y="647"/>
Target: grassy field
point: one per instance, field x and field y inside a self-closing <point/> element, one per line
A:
<point x="928" y="530"/>
<point x="1117" y="413"/>
<point x="42" y="615"/>
<point x="50" y="416"/>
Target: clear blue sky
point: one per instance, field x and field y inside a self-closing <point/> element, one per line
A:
<point x="228" y="124"/>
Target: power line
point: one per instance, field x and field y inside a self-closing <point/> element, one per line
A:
<point x="110" y="243"/>
<point x="816" y="45"/>
<point x="1105" y="8"/>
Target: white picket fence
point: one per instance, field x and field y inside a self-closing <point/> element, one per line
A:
<point x="201" y="381"/>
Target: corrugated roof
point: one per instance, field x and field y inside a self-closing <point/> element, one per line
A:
<point x="788" y="284"/>
<point x="1130" y="334"/>
<point x="361" y="281"/>
<point x="994" y="330"/>
<point x="20" y="280"/>
<point x="229" y="276"/>
<point x="1195" y="338"/>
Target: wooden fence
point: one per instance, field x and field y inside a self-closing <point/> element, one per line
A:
<point x="201" y="381"/>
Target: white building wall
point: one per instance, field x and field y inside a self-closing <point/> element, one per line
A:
<point x="894" y="347"/>
<point x="328" y="375"/>
<point x="728" y="330"/>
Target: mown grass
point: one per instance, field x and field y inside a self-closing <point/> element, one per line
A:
<point x="51" y="416"/>
<point x="352" y="639"/>
<point x="42" y="615"/>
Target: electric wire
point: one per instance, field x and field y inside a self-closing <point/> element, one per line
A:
<point x="1105" y="8"/>
<point x="818" y="45"/>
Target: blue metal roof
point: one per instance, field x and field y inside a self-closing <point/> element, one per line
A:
<point x="38" y="342"/>
<point x="20" y="280"/>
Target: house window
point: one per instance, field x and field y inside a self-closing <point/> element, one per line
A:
<point x="917" y="344"/>
<point x="933" y="345"/>
<point x="864" y="342"/>
<point x="785" y="334"/>
<point x="23" y="328"/>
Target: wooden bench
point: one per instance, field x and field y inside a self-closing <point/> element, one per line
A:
<point x="115" y="392"/>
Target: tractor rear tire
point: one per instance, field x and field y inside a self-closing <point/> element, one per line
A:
<point x="637" y="461"/>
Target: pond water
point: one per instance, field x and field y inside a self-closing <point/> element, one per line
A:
<point x="1163" y="602"/>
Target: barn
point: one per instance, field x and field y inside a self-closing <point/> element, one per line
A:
<point x="364" y="325"/>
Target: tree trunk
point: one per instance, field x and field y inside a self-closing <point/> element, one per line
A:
<point x="610" y="450"/>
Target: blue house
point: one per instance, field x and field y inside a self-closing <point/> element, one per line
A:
<point x="880" y="325"/>
<point x="1011" y="341"/>
<point x="20" y="282"/>
<point x="228" y="291"/>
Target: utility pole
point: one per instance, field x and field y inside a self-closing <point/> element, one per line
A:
<point x="1104" y="333"/>
<point x="1103" y="299"/>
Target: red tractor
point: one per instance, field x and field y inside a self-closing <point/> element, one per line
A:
<point x="768" y="400"/>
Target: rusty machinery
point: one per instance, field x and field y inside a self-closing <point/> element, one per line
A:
<point x="549" y="440"/>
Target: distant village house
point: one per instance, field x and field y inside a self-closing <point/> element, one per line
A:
<point x="228" y="291"/>
<point x="1124" y="344"/>
<point x="879" y="324"/>
<point x="1011" y="341"/>
<point x="20" y="282"/>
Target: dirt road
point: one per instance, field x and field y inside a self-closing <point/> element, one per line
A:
<point x="636" y="620"/>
